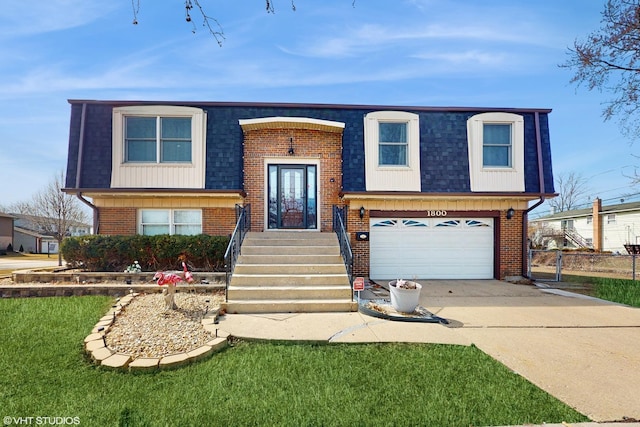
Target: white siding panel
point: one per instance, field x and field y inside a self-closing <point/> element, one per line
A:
<point x="159" y="175"/>
<point x="495" y="179"/>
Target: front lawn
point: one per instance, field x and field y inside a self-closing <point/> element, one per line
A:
<point x="45" y="373"/>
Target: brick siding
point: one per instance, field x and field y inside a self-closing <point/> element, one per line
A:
<point x="310" y="146"/>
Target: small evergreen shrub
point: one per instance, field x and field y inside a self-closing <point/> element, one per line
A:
<point x="164" y="252"/>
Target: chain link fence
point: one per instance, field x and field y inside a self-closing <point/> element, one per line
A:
<point x="551" y="265"/>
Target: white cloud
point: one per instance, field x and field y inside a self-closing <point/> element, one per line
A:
<point x="18" y="18"/>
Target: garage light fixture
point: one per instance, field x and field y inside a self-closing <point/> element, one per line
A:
<point x="361" y="212"/>
<point x="510" y="213"/>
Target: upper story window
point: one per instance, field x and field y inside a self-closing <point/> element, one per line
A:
<point x="158" y="146"/>
<point x="392" y="151"/>
<point x="157" y="139"/>
<point x="496" y="152"/>
<point x="496" y="145"/>
<point x="392" y="144"/>
<point x="611" y="219"/>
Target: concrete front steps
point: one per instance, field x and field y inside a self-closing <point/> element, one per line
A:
<point x="289" y="272"/>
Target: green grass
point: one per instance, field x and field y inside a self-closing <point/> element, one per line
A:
<point x="617" y="290"/>
<point x="45" y="373"/>
<point x="623" y="291"/>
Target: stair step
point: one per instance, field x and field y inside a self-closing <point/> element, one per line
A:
<point x="290" y="250"/>
<point x="245" y="268"/>
<point x="289" y="271"/>
<point x="290" y="306"/>
<point x="247" y="293"/>
<point x="291" y="235"/>
<point x="239" y="279"/>
<point x="289" y="259"/>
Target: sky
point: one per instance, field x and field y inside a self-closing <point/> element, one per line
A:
<point x="441" y="53"/>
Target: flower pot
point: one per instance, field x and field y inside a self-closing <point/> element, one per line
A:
<point x="404" y="300"/>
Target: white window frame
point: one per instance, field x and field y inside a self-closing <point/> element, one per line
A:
<point x="392" y="177"/>
<point x="172" y="222"/>
<point x="496" y="178"/>
<point x="157" y="174"/>
<point x="611" y="218"/>
<point x="159" y="139"/>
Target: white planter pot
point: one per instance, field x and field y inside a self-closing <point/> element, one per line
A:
<point x="404" y="300"/>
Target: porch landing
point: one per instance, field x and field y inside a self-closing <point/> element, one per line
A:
<point x="289" y="272"/>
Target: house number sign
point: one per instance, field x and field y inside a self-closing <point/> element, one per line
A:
<point x="436" y="213"/>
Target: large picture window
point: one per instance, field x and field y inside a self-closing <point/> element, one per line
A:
<point x="170" y="221"/>
<point x="157" y="139"/>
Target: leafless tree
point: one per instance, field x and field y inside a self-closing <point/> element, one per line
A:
<point x="540" y="235"/>
<point x="609" y="60"/>
<point x="53" y="212"/>
<point x="570" y="187"/>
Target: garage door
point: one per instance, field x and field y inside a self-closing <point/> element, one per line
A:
<point x="431" y="248"/>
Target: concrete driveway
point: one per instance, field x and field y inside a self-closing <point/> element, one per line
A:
<point x="585" y="352"/>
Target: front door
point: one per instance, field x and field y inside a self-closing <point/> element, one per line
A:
<point x="292" y="196"/>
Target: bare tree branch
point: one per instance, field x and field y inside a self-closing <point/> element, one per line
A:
<point x="53" y="212"/>
<point x="210" y="23"/>
<point x="609" y="60"/>
<point x="570" y="187"/>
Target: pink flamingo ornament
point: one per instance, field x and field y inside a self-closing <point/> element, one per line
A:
<point x="188" y="277"/>
<point x="171" y="279"/>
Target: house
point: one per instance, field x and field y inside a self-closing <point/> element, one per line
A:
<point x="430" y="192"/>
<point x="6" y="231"/>
<point x="30" y="236"/>
<point x="601" y="228"/>
<point x="33" y="242"/>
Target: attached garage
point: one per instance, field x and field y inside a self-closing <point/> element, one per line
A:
<point x="432" y="248"/>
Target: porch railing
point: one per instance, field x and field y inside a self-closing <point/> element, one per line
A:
<point x="243" y="225"/>
<point x="339" y="226"/>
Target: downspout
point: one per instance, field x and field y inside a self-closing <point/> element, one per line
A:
<point x="96" y="212"/>
<point x="525" y="221"/>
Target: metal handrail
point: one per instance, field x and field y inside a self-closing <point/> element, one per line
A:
<point x="243" y="226"/>
<point x="339" y="220"/>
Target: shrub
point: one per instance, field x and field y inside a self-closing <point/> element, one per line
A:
<point x="9" y="247"/>
<point x="164" y="252"/>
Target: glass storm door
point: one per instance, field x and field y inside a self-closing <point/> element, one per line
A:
<point x="292" y="196"/>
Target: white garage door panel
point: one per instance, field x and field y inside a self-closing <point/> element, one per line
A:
<point x="434" y="248"/>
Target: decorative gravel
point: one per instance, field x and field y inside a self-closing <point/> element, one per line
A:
<point x="145" y="329"/>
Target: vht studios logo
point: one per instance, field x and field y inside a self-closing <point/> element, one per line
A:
<point x="41" y="421"/>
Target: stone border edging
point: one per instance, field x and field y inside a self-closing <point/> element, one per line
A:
<point x="96" y="347"/>
<point x="62" y="290"/>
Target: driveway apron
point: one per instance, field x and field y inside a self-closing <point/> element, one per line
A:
<point x="584" y="351"/>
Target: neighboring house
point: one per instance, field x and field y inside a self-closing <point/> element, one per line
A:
<point x="601" y="228"/>
<point x="430" y="192"/>
<point x="6" y="231"/>
<point x="30" y="236"/>
<point x="32" y="242"/>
